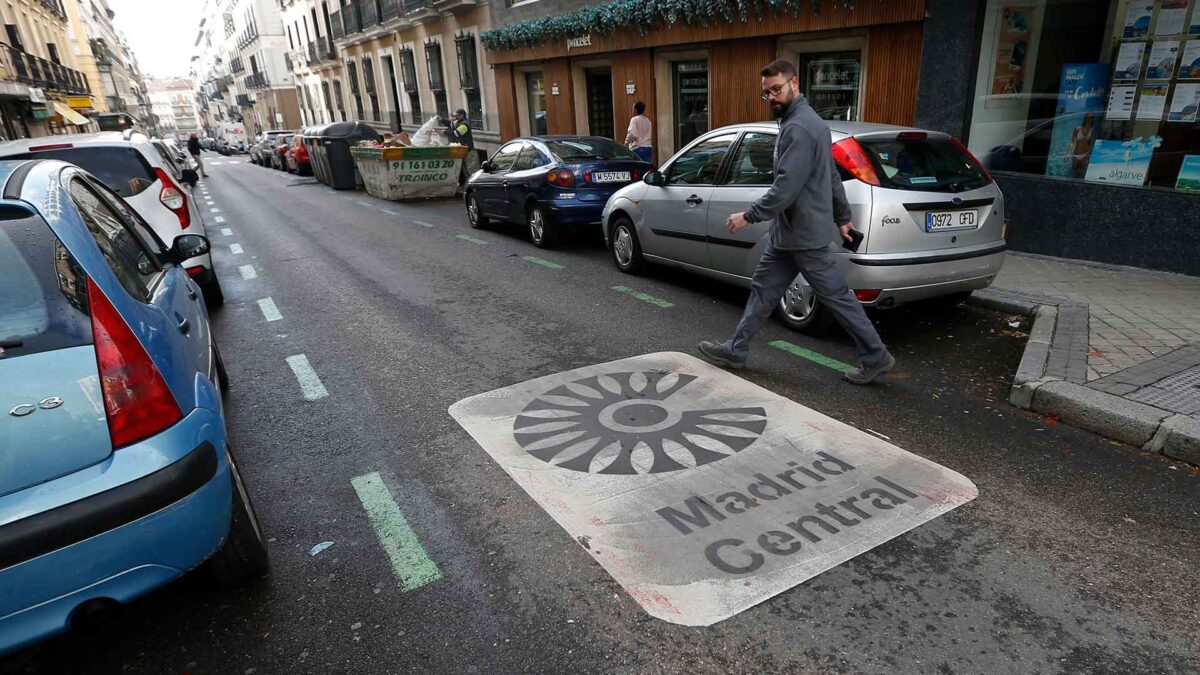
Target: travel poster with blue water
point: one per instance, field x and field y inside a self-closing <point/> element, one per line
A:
<point x="1081" y="96"/>
<point x="1189" y="174"/>
<point x="1122" y="162"/>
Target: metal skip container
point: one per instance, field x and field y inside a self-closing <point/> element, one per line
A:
<point x="398" y="174"/>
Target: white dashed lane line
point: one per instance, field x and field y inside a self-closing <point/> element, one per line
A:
<point x="269" y="310"/>
<point x="248" y="272"/>
<point x="235" y="249"/>
<point x="226" y="231"/>
<point x="310" y="384"/>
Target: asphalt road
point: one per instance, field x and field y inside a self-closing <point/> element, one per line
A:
<point x="1079" y="555"/>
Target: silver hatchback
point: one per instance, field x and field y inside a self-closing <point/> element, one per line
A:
<point x="931" y="217"/>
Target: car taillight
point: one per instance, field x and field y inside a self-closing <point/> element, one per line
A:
<point x="636" y="175"/>
<point x="867" y="295"/>
<point x="853" y="159"/>
<point x="195" y="271"/>
<point x="55" y="146"/>
<point x="963" y="149"/>
<point x="302" y="153"/>
<point x="561" y="178"/>
<point x="173" y="198"/>
<point x="136" y="398"/>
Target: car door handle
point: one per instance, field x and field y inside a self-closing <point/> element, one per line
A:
<point x="504" y="184"/>
<point x="191" y="293"/>
<point x="184" y="326"/>
<point x="695" y="200"/>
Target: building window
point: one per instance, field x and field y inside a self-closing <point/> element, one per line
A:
<point x="369" y="86"/>
<point x="14" y="36"/>
<point x="358" y="104"/>
<point x="468" y="77"/>
<point x="1064" y="91"/>
<point x="408" y="70"/>
<point x="328" y="102"/>
<point x="341" y="101"/>
<point x="52" y="49"/>
<point x="535" y="89"/>
<point x="691" y="101"/>
<point x="437" y="77"/>
<point x="830" y="82"/>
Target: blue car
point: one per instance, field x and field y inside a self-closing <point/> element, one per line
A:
<point x="550" y="183"/>
<point x="115" y="475"/>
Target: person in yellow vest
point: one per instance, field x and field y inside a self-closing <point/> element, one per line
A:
<point x="460" y="132"/>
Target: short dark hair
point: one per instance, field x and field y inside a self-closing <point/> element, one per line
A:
<point x="639" y="107"/>
<point x="779" y="67"/>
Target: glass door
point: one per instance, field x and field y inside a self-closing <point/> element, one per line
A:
<point x="535" y="86"/>
<point x="691" y="101"/>
<point x="600" y="102"/>
<point x="830" y="82"/>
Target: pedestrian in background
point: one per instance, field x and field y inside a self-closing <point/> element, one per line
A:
<point x="460" y="132"/>
<point x="801" y="238"/>
<point x="637" y="138"/>
<point x="194" y="150"/>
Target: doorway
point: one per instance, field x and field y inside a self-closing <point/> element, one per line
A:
<point x="600" y="102"/>
<point x="394" y="117"/>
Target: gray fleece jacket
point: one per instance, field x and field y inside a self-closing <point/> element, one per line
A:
<point x="805" y="179"/>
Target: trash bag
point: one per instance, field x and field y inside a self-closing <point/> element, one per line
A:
<point x="429" y="134"/>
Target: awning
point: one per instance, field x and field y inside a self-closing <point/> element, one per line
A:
<point x="70" y="116"/>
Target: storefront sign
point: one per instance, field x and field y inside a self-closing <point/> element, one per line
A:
<point x="702" y="494"/>
<point x="80" y="102"/>
<point x="1012" y="48"/>
<point x="1121" y="162"/>
<point x="1189" y="174"/>
<point x="39" y="112"/>
<point x="577" y="42"/>
<point x="1080" y="100"/>
<point x="37" y="95"/>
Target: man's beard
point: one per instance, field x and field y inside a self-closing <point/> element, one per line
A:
<point x="779" y="109"/>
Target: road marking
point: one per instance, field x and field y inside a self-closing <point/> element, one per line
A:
<point x="226" y="231"/>
<point x="248" y="272"/>
<point x="219" y="219"/>
<point x="214" y="209"/>
<point x="544" y="263"/>
<point x="389" y="212"/>
<point x="236" y="249"/>
<point x="469" y="238"/>
<point x="410" y="563"/>
<point x="269" y="310"/>
<point x="361" y="202"/>
<point x="797" y="350"/>
<point x="310" y="384"/>
<point x="422" y="223"/>
<point x="209" y="202"/>
<point x="644" y="297"/>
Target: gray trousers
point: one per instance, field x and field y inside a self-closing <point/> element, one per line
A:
<point x="775" y="272"/>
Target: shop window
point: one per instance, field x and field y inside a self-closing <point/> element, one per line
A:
<point x="535" y="88"/>
<point x="691" y="101"/>
<point x="1105" y="92"/>
<point x="830" y="82"/>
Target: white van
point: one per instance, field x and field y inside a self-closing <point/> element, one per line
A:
<point x="231" y="138"/>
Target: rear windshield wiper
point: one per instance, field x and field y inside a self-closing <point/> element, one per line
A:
<point x="9" y="344"/>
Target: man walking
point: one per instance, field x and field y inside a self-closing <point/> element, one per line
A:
<point x="801" y="238"/>
<point x="194" y="151"/>
<point x="637" y="138"/>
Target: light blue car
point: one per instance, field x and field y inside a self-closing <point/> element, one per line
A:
<point x="115" y="474"/>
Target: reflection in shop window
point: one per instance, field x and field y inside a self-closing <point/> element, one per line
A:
<point x="691" y="101"/>
<point x="1104" y="91"/>
<point x="830" y="83"/>
<point x="535" y="85"/>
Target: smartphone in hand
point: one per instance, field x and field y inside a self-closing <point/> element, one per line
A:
<point x="857" y="238"/>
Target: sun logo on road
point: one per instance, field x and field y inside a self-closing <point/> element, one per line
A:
<point x="628" y="423"/>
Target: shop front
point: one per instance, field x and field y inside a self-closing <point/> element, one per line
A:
<point x="857" y="61"/>
<point x="1086" y="113"/>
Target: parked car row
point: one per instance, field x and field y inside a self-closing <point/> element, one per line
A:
<point x="931" y="216"/>
<point x="118" y="477"/>
<point x="282" y="150"/>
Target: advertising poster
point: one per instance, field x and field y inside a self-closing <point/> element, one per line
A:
<point x="1189" y="65"/>
<point x="1184" y="103"/>
<point x="1137" y="19"/>
<point x="1129" y="61"/>
<point x="1171" y="17"/>
<point x="1080" y="100"/>
<point x="1012" y="48"/>
<point x="1153" y="102"/>
<point x="1189" y="174"/>
<point x="1121" y="162"/>
<point x="1120" y="102"/>
<point x="1163" y="56"/>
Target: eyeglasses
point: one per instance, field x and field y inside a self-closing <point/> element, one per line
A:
<point x="773" y="91"/>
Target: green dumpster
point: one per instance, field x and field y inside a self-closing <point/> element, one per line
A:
<point x="410" y="173"/>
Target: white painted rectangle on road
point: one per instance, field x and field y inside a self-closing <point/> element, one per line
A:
<point x="269" y="310"/>
<point x="248" y="272"/>
<point x="235" y="249"/>
<point x="215" y="210"/>
<point x="219" y="219"/>
<point x="701" y="493"/>
<point x="226" y="231"/>
<point x="310" y="384"/>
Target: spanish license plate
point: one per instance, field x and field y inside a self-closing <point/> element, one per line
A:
<point x="610" y="177"/>
<point x="937" y="221"/>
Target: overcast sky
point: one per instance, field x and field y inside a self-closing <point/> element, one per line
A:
<point x="161" y="33"/>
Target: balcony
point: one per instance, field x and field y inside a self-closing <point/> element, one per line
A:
<point x="368" y="13"/>
<point x="236" y="66"/>
<point x="256" y="81"/>
<point x="351" y="19"/>
<point x="390" y="9"/>
<point x="38" y="72"/>
<point x="335" y="21"/>
<point x="244" y="101"/>
<point x="56" y="7"/>
<point x="248" y="35"/>
<point x="420" y="10"/>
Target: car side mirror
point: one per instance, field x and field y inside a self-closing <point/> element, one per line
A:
<point x="487" y="166"/>
<point x="188" y="246"/>
<point x="654" y="178"/>
<point x="191" y="177"/>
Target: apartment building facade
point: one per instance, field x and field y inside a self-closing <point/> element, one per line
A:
<point x="41" y="87"/>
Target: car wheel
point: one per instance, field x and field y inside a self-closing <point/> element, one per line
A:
<point x="213" y="295"/>
<point x="474" y="214"/>
<point x="541" y="233"/>
<point x="626" y="249"/>
<point x="800" y="310"/>
<point x="244" y="552"/>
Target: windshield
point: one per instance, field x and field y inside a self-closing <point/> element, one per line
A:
<point x="931" y="164"/>
<point x="589" y="148"/>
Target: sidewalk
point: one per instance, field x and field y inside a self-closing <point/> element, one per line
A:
<point x="1115" y="350"/>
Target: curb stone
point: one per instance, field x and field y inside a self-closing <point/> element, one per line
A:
<point x="1042" y="385"/>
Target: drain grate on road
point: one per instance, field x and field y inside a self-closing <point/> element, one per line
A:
<point x="1178" y="393"/>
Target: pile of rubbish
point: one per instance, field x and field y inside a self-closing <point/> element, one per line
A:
<point x="430" y="135"/>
